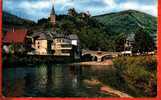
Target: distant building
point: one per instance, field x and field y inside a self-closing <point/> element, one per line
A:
<point x="128" y="46"/>
<point x="15" y="39"/>
<point x="129" y="42"/>
<point x="85" y="14"/>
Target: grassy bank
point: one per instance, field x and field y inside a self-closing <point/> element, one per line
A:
<point x="136" y="75"/>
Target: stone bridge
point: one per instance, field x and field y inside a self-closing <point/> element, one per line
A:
<point x="99" y="55"/>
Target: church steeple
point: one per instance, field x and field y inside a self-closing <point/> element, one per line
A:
<point x="53" y="16"/>
<point x="52" y="10"/>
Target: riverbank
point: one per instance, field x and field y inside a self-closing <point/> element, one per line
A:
<point x="135" y="75"/>
<point x="38" y="59"/>
<point x="95" y="63"/>
<point x="106" y="89"/>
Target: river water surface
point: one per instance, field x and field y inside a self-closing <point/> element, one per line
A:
<point x="52" y="80"/>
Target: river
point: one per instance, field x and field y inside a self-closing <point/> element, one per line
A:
<point x="53" y="80"/>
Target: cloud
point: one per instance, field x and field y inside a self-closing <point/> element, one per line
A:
<point x="151" y="9"/>
<point x="32" y="9"/>
<point x="147" y="6"/>
<point x="110" y="2"/>
<point x="34" y="5"/>
<point x="36" y="9"/>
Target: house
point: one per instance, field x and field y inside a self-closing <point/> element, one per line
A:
<point x="61" y="45"/>
<point x="53" y="43"/>
<point x="129" y="42"/>
<point x="66" y="45"/>
<point x="75" y="46"/>
<point x="15" y="39"/>
<point x="40" y="43"/>
<point x="128" y="46"/>
<point x="74" y="39"/>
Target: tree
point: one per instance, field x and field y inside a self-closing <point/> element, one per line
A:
<point x="143" y="42"/>
<point x="67" y="26"/>
<point x="42" y="21"/>
<point x="120" y="42"/>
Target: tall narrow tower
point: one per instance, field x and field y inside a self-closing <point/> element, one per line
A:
<point x="53" y="16"/>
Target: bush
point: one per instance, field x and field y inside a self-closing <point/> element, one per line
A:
<point x="139" y="73"/>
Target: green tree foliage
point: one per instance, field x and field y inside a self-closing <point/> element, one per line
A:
<point x="120" y="42"/>
<point x="128" y="21"/>
<point x="92" y="34"/>
<point x="138" y="74"/>
<point x="143" y="42"/>
<point x="41" y="21"/>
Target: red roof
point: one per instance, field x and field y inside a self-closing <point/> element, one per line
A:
<point x="17" y="36"/>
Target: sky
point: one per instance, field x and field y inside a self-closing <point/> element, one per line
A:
<point x="37" y="9"/>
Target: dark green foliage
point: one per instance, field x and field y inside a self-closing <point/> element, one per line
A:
<point x="139" y="75"/>
<point x="129" y="22"/>
<point x="41" y="21"/>
<point x="120" y="41"/>
<point x="143" y="42"/>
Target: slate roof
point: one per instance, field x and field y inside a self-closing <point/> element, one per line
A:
<point x="43" y="35"/>
<point x="52" y="10"/>
<point x="48" y="35"/>
<point x="73" y="37"/>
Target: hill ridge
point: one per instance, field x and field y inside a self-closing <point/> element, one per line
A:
<point x="128" y="20"/>
<point x="123" y="12"/>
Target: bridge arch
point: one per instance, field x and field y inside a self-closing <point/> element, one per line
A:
<point x="98" y="55"/>
<point x="87" y="57"/>
<point x="106" y="57"/>
<point x="94" y="58"/>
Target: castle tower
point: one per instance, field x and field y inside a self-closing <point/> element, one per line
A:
<point x="53" y="16"/>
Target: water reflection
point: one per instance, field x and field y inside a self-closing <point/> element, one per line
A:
<point x="46" y="80"/>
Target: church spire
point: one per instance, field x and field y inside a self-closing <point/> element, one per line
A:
<point x="52" y="10"/>
<point x="53" y="16"/>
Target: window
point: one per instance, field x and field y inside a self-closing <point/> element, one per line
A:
<point x="66" y="51"/>
<point x="66" y="46"/>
